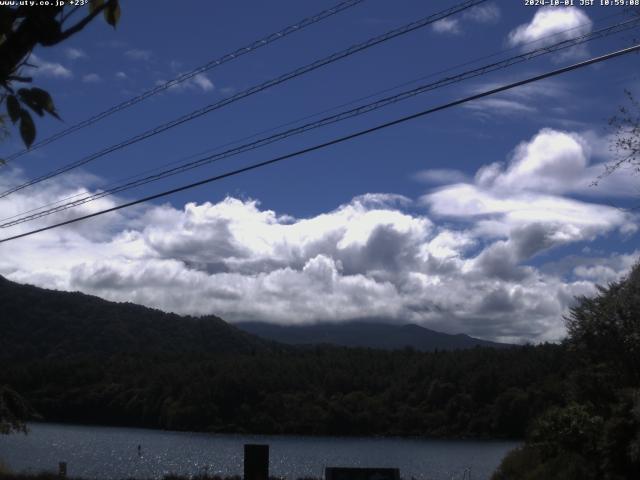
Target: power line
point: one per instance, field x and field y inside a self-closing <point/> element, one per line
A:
<point x="336" y="141"/>
<point x="542" y="41"/>
<point x="192" y="73"/>
<point x="617" y="28"/>
<point x="255" y="89"/>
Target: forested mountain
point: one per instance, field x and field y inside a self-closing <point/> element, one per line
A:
<point x="78" y="358"/>
<point x="40" y="323"/>
<point x="366" y="334"/>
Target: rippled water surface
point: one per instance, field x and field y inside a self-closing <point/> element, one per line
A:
<point x="109" y="453"/>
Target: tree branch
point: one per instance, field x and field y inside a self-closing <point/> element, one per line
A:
<point x="84" y="22"/>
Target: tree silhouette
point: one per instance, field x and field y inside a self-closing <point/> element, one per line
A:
<point x="14" y="411"/>
<point x="22" y="28"/>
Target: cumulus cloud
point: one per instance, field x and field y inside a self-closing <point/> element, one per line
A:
<point x="74" y="53"/>
<point x="42" y="68"/>
<point x="464" y="265"/>
<point x="447" y="25"/>
<point x="551" y="25"/>
<point x="520" y="208"/>
<point x="558" y="162"/>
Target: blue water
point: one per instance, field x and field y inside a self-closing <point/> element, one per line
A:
<point x="110" y="453"/>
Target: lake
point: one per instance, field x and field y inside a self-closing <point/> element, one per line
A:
<point x="110" y="453"/>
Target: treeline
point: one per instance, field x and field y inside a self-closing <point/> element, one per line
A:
<point x="480" y="392"/>
<point x="77" y="358"/>
<point x="594" y="432"/>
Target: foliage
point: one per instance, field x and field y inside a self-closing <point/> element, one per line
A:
<point x="596" y="432"/>
<point x="625" y="126"/>
<point x="13" y="411"/>
<point x="24" y="27"/>
<point x="528" y="463"/>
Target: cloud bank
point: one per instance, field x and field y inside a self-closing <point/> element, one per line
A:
<point x="468" y="256"/>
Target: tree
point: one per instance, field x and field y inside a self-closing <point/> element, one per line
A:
<point x="625" y="125"/>
<point x="14" y="411"/>
<point x="596" y="434"/>
<point x="22" y="28"/>
<point x="605" y="330"/>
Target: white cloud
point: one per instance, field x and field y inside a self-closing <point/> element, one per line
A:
<point x="138" y="54"/>
<point x="551" y="25"/>
<point x="441" y="176"/>
<point x="202" y="81"/>
<point x="524" y="100"/>
<point x="447" y="25"/>
<point x="558" y="162"/>
<point x="485" y="13"/>
<point x="92" y="78"/>
<point x="121" y="75"/>
<point x="75" y="53"/>
<point x="199" y="82"/>
<point x="524" y="201"/>
<point x="42" y="68"/>
<point x="375" y="256"/>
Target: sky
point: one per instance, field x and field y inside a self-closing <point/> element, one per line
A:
<point x="482" y="219"/>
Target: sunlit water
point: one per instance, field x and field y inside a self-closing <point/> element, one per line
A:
<point x="110" y="453"/>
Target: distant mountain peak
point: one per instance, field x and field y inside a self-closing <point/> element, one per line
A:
<point x="366" y="334"/>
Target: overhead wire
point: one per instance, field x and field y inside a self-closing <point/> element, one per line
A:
<point x="253" y="90"/>
<point x="541" y="40"/>
<point x="568" y="43"/>
<point x="116" y="183"/>
<point x="296" y="27"/>
<point x="336" y="141"/>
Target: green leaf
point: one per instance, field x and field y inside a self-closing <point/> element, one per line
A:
<point x="94" y="5"/>
<point x="13" y="108"/>
<point x="112" y="13"/>
<point x="44" y="100"/>
<point x="27" y="97"/>
<point x="27" y="128"/>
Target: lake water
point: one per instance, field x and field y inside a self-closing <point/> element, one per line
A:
<point x="110" y="453"/>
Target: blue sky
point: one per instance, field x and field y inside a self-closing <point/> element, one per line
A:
<point x="480" y="219"/>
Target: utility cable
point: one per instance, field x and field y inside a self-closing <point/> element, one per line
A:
<point x="623" y="26"/>
<point x="255" y="89"/>
<point x="336" y="141"/>
<point x="544" y="40"/>
<point x="188" y="75"/>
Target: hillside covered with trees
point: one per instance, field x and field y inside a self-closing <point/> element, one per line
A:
<point x="77" y="358"/>
<point x="594" y="433"/>
<point x="577" y="403"/>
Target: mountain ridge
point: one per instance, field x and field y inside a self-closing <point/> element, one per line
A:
<point x="52" y="323"/>
<point x="366" y="334"/>
<point x="39" y="322"/>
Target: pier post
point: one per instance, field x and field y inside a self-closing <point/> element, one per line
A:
<point x="62" y="469"/>
<point x="256" y="462"/>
